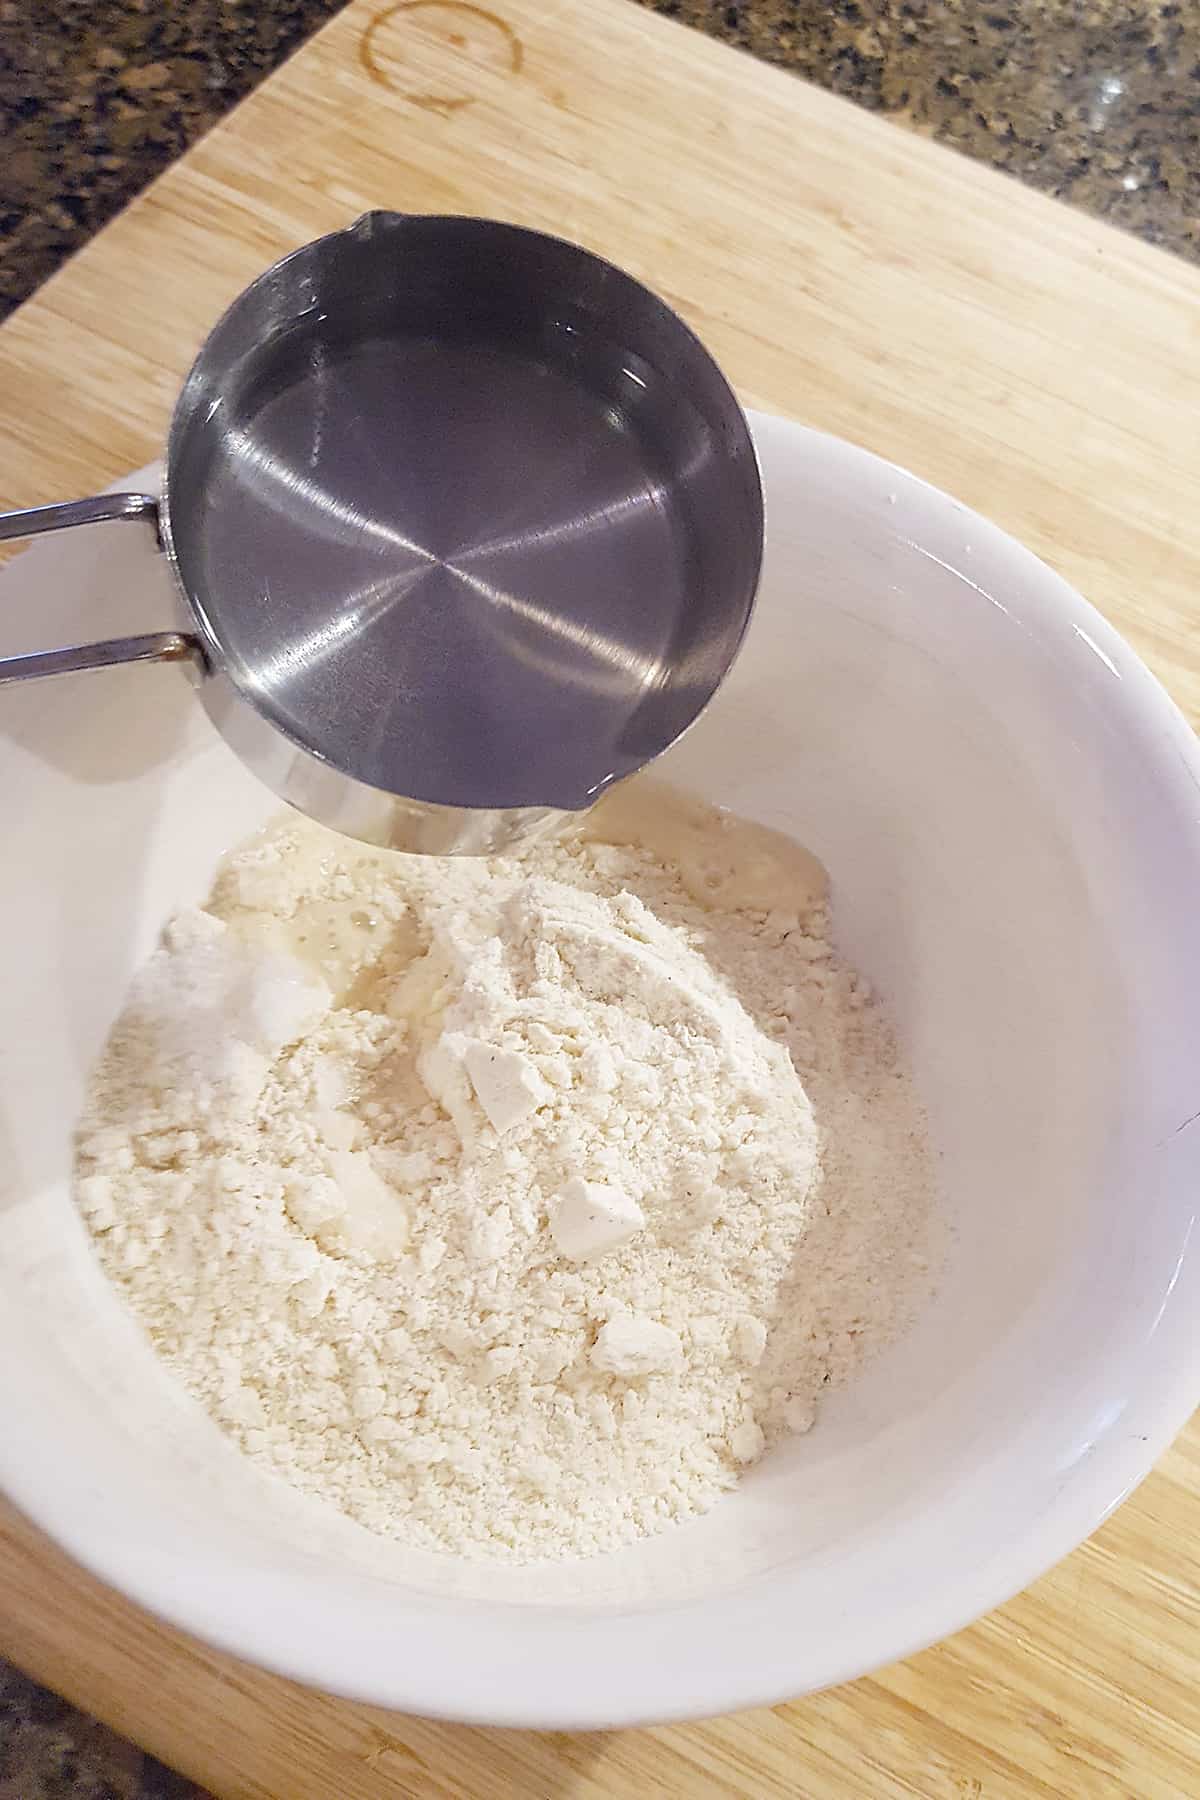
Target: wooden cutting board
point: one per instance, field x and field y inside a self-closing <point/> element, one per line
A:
<point x="1039" y="366"/>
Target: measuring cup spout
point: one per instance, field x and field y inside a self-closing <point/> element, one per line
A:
<point x="153" y="646"/>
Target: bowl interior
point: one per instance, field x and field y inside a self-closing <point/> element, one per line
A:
<point x="1010" y="811"/>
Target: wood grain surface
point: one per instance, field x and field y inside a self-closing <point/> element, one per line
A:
<point x="1036" y="364"/>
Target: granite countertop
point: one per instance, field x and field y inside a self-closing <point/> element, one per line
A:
<point x="1095" y="101"/>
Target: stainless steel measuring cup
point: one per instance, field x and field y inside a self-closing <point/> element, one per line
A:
<point x="464" y="524"/>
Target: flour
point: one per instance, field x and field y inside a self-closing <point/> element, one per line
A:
<point x="515" y="1206"/>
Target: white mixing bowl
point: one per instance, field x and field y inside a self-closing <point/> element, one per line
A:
<point x="1010" y="810"/>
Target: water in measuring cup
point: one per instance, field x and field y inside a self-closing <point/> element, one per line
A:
<point x="459" y="557"/>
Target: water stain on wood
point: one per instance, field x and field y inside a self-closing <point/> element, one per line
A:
<point x="506" y="51"/>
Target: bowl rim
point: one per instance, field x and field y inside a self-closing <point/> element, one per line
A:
<point x="640" y="1686"/>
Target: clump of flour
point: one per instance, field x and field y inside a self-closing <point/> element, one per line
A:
<point x="514" y="1205"/>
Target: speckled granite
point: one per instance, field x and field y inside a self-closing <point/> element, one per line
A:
<point x="97" y="96"/>
<point x="48" y="1751"/>
<point x="1096" y="101"/>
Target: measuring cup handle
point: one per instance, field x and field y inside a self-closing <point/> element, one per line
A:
<point x="34" y="520"/>
<point x="153" y="646"/>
